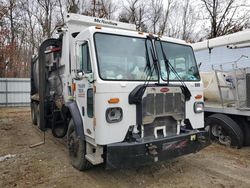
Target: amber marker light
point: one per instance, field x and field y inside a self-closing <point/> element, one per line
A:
<point x="98" y="27"/>
<point x="113" y="100"/>
<point x="73" y="86"/>
<point x="198" y="97"/>
<point x="150" y="34"/>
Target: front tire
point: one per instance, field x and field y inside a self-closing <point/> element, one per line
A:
<point x="77" y="149"/>
<point x="245" y="126"/>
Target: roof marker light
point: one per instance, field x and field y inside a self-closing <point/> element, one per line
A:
<point x="98" y="27"/>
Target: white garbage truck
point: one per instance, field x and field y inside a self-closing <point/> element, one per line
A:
<point x="225" y="71"/>
<point x="122" y="97"/>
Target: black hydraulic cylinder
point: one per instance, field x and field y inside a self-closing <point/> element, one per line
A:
<point x="43" y="78"/>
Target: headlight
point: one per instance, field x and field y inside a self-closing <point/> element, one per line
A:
<point x="198" y="107"/>
<point x="114" y="115"/>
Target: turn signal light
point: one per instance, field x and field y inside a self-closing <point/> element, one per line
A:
<point x="73" y="86"/>
<point x="198" y="97"/>
<point x="113" y="100"/>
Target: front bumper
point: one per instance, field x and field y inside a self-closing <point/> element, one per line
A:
<point x="132" y="154"/>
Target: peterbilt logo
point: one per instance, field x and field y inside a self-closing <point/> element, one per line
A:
<point x="164" y="90"/>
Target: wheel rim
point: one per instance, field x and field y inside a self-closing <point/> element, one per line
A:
<point x="220" y="134"/>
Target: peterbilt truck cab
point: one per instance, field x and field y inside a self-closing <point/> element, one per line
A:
<point x="121" y="97"/>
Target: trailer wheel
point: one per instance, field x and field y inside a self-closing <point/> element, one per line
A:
<point x="33" y="113"/>
<point x="77" y="149"/>
<point x="224" y="130"/>
<point x="245" y="126"/>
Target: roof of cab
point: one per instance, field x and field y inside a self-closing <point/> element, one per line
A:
<point x="77" y="23"/>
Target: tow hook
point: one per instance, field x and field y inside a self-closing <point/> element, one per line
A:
<point x="152" y="150"/>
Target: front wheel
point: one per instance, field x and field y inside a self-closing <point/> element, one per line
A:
<point x="77" y="149"/>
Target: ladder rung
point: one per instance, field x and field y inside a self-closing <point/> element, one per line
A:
<point x="224" y="86"/>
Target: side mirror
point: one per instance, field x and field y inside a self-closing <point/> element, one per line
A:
<point x="91" y="77"/>
<point x="79" y="75"/>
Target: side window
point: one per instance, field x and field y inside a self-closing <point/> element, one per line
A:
<point x="85" y="64"/>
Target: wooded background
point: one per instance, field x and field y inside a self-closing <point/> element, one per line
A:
<point x="24" y="24"/>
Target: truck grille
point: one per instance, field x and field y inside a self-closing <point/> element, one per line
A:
<point x="163" y="104"/>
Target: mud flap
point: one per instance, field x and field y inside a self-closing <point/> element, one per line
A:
<point x="76" y="116"/>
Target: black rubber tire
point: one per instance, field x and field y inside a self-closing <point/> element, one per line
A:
<point x="229" y="126"/>
<point x="245" y="126"/>
<point x="33" y="113"/>
<point x="77" y="149"/>
<point x="59" y="131"/>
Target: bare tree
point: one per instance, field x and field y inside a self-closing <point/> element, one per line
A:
<point x="3" y="37"/>
<point x="12" y="5"/>
<point x="72" y="5"/>
<point x="61" y="10"/>
<point x="224" y="17"/>
<point x="189" y="20"/>
<point x="165" y="16"/>
<point x="30" y="22"/>
<point x="134" y="12"/>
<point x="185" y="13"/>
<point x="44" y="16"/>
<point x="154" y="13"/>
<point x="107" y="9"/>
<point x="10" y="47"/>
<point x="99" y="8"/>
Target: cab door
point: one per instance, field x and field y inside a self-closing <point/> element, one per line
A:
<point x="84" y="87"/>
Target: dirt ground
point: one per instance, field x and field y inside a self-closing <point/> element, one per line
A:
<point x="48" y="165"/>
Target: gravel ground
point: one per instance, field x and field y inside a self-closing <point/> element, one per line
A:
<point x="48" y="165"/>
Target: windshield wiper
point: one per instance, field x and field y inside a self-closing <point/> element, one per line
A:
<point x="168" y="65"/>
<point x="135" y="96"/>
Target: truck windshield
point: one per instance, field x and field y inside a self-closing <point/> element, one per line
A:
<point x="123" y="58"/>
<point x="181" y="57"/>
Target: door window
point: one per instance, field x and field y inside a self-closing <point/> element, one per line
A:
<point x="85" y="64"/>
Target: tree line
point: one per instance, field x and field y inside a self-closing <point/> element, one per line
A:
<point x="24" y="24"/>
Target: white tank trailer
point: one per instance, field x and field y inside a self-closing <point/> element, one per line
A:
<point x="225" y="72"/>
<point x="121" y="97"/>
